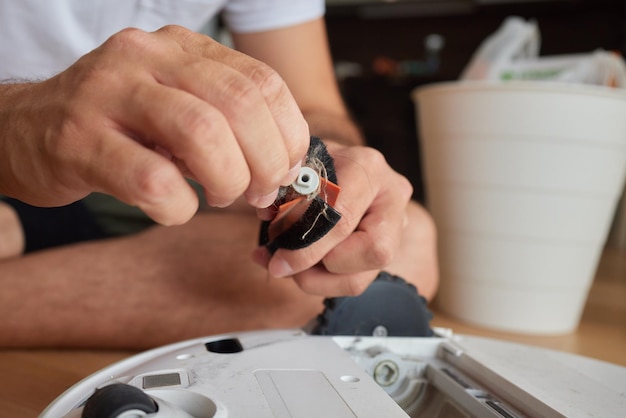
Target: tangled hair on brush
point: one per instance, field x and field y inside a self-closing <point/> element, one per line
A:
<point x="318" y="219"/>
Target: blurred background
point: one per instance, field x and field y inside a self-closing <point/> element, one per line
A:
<point x="383" y="49"/>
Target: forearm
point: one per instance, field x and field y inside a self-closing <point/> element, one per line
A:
<point x="337" y="127"/>
<point x="160" y="286"/>
<point x="308" y="71"/>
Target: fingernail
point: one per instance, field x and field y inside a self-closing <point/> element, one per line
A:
<point x="266" y="214"/>
<point x="264" y="201"/>
<point x="261" y="256"/>
<point x="292" y="175"/>
<point x="279" y="267"/>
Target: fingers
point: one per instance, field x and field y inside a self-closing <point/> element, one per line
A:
<point x="319" y="281"/>
<point x="138" y="114"/>
<point x="376" y="238"/>
<point x="373" y="203"/>
<point x="263" y="117"/>
<point x="285" y="111"/>
<point x="195" y="134"/>
<point x="141" y="178"/>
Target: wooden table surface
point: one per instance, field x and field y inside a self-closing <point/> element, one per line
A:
<point x="31" y="379"/>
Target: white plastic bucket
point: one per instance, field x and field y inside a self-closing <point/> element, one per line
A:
<point x="522" y="179"/>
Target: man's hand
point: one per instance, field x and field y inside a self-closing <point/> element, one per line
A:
<point x="377" y="219"/>
<point x="141" y="112"/>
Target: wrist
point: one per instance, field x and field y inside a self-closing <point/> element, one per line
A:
<point x="337" y="128"/>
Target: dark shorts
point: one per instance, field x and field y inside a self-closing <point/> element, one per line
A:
<point x="51" y="227"/>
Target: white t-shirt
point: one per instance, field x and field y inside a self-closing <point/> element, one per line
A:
<point x="39" y="38"/>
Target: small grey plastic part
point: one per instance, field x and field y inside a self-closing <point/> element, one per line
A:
<point x="308" y="181"/>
